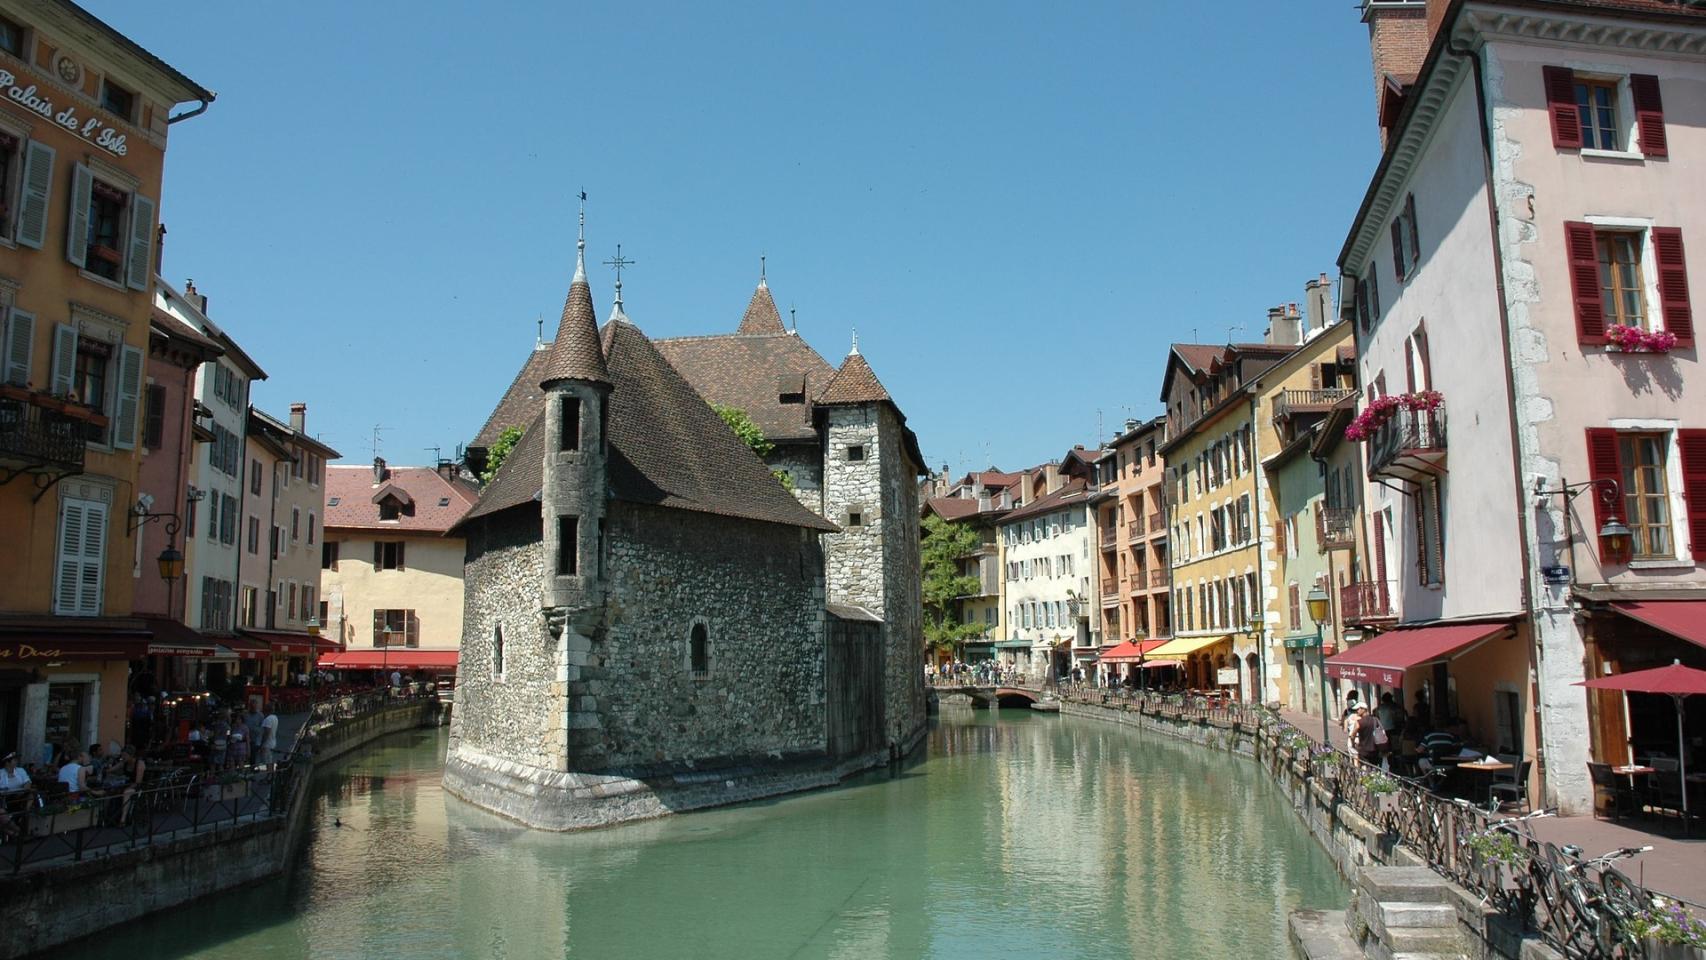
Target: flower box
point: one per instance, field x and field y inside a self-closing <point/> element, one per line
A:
<point x="42" y="825"/>
<point x="235" y="790"/>
<point x="1629" y="339"/>
<point x="1383" y="408"/>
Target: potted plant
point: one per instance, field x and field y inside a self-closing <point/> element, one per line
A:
<point x="233" y="785"/>
<point x="1668" y="931"/>
<point x="1382" y="788"/>
<point x="1630" y="339"/>
<point x="60" y="818"/>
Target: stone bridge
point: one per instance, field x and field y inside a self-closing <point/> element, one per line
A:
<point x="1021" y="693"/>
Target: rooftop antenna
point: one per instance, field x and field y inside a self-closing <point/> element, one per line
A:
<point x="376" y="429"/>
<point x="617" y="263"/>
<point x="437" y="454"/>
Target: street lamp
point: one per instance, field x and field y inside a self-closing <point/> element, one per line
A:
<point x="313" y="657"/>
<point x="1253" y="627"/>
<point x="1613" y="532"/>
<point x="1317" y="601"/>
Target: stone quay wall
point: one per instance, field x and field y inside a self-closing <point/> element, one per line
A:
<point x="1363" y="852"/>
<point x="46" y="907"/>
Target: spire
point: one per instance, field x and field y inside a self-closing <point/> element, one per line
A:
<point x="576" y="353"/>
<point x="854" y="383"/>
<point x="855" y="351"/>
<point x="761" y="315"/>
<point x="617" y="263"/>
<point x="580" y="244"/>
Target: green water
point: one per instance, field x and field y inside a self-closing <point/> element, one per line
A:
<point x="1018" y="835"/>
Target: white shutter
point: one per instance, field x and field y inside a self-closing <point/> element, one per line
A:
<point x="32" y="202"/>
<point x="140" y="260"/>
<point x="70" y="565"/>
<point x="77" y="225"/>
<point x="129" y="393"/>
<point x="94" y="559"/>
<point x="64" y="371"/>
<point x="20" y="343"/>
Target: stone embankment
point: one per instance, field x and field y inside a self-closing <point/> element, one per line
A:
<point x="46" y="905"/>
<point x="1399" y="908"/>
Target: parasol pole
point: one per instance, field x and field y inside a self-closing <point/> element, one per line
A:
<point x="1681" y="760"/>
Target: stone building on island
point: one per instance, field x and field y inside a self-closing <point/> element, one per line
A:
<point x="653" y="623"/>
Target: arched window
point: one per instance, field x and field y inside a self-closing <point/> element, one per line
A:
<point x="498" y="650"/>
<point x="699" y="652"/>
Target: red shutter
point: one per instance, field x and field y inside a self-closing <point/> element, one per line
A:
<point x="1415" y="235"/>
<point x="1603" y="465"/>
<point x="1422" y="346"/>
<point x="1673" y="283"/>
<point x="1409" y="366"/>
<point x="1398" y="250"/>
<point x="1561" y="103"/>
<point x="1649" y="114"/>
<point x="1693" y="446"/>
<point x="1584" y="281"/>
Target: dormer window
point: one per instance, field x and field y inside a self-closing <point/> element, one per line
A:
<point x="390" y="510"/>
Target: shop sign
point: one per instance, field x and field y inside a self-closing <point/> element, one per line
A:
<point x="1226" y="676"/>
<point x="1300" y="643"/>
<point x="92" y="129"/>
<point x="1357" y="671"/>
<point x="26" y="651"/>
<point x="1555" y="574"/>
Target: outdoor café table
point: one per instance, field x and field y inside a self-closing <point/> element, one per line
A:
<point x="1633" y="770"/>
<point x="1484" y="768"/>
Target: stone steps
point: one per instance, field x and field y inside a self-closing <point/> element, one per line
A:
<point x="1321" y="935"/>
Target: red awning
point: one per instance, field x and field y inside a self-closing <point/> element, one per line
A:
<point x="29" y="639"/>
<point x="1680" y="618"/>
<point x="246" y="648"/>
<point x="404" y="659"/>
<point x="1676" y="680"/>
<point x="1130" y="651"/>
<point x="289" y="644"/>
<point x="1384" y="659"/>
<point x="174" y="639"/>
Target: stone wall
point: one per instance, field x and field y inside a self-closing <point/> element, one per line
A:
<point x="903" y="583"/>
<point x="803" y="463"/>
<point x="855" y="555"/>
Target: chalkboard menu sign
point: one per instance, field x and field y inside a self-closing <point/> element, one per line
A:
<point x="65" y="713"/>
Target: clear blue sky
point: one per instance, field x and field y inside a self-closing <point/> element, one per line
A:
<point x="1017" y="210"/>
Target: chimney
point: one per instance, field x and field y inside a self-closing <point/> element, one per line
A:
<point x="379" y="471"/>
<point x="447" y="469"/>
<point x="298" y="417"/>
<point x="1131" y="424"/>
<point x="195" y="299"/>
<point x="983" y="500"/>
<point x="1318" y="304"/>
<point x="1398" y="35"/>
<point x="1051" y="478"/>
<point x="1283" y="326"/>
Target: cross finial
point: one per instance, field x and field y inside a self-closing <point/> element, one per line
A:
<point x="580" y="244"/>
<point x="855" y="342"/>
<point x="617" y="263"/>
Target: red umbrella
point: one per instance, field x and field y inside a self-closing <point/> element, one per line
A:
<point x="1676" y="680"/>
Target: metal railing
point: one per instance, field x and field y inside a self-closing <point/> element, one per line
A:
<point x="35" y="435"/>
<point x="1308" y="401"/>
<point x="1110" y="587"/>
<point x="1335" y="527"/>
<point x="1158" y="524"/>
<point x="1366" y="601"/>
<point x="1410" y="433"/>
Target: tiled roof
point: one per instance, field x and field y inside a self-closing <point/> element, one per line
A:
<point x="1070" y="492"/>
<point x="761" y="316"/>
<point x="747" y="372"/>
<point x="520" y="402"/>
<point x="178" y="330"/>
<point x="353" y="489"/>
<point x="1198" y="356"/>
<point x="952" y="508"/>
<point x="575" y="354"/>
<point x="667" y="447"/>
<point x="854" y="383"/>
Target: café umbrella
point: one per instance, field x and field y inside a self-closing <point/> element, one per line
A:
<point x="1675" y="680"/>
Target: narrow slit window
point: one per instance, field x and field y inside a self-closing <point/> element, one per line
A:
<point x="568" y="544"/>
<point x="571" y="423"/>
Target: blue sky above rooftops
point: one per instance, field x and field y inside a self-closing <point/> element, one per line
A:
<point x="1018" y="206"/>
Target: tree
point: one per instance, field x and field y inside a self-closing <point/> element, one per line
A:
<point x="502" y="447"/>
<point x="943" y="546"/>
<point x="750" y="434"/>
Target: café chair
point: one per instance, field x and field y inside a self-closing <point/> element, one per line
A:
<point x="1608" y="784"/>
<point x="1513" y="784"/>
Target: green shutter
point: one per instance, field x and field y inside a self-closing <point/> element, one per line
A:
<point x="139" y="261"/>
<point x="20" y="344"/>
<point x="64" y="371"/>
<point x="77" y="224"/>
<point x="33" y="193"/>
<point x="129" y="393"/>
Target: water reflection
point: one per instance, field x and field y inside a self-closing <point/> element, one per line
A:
<point x="1018" y="834"/>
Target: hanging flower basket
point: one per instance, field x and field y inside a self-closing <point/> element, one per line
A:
<point x="1635" y="340"/>
<point x="1383" y="408"/>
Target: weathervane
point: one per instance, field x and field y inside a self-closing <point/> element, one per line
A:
<point x="617" y="263"/>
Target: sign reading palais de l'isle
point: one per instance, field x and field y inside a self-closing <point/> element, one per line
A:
<point x="92" y="129"/>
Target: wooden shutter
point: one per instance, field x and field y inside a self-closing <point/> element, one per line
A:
<point x="1692" y="445"/>
<point x="1561" y="104"/>
<point x="1579" y="246"/>
<point x="1398" y="249"/>
<point x="19" y="346"/>
<point x="64" y="370"/>
<point x="154" y="419"/>
<point x="1673" y="284"/>
<point x="77" y="224"/>
<point x="33" y="193"/>
<point x="70" y="557"/>
<point x="1415" y="234"/>
<point x="400" y="554"/>
<point x="1373" y="295"/>
<point x="1603" y="465"/>
<point x="82" y="542"/>
<point x="1649" y="114"/>
<point x="378" y="551"/>
<point x="1409" y="366"/>
<point x="411" y="629"/>
<point x="379" y="628"/>
<point x="1279" y="537"/>
<point x="139" y="261"/>
<point x="1419" y="504"/>
<point x="129" y="395"/>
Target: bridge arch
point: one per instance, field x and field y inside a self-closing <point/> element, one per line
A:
<point x="1015" y="697"/>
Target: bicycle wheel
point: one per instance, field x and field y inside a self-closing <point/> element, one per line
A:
<point x="1622" y="900"/>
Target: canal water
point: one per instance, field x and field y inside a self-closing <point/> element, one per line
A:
<point x="1017" y="835"/>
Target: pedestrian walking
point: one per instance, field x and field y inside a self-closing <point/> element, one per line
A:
<point x="268" y="738"/>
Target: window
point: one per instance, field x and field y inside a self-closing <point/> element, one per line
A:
<point x="568" y="546"/>
<point x="215" y="604"/>
<point x="855" y="518"/>
<point x="856" y="452"/>
<point x="699" y="652"/>
<point x="80" y="567"/>
<point x="1294" y="606"/>
<point x="117" y="100"/>
<point x="1646" y="501"/>
<point x="333" y="501"/>
<point x="498" y="650"/>
<point x="295" y="524"/>
<point x="255" y="477"/>
<point x="390" y="509"/>
<point x="388" y="555"/>
<point x="104" y="255"/>
<point x="90" y="379"/>
<point x="1405" y="243"/>
<point x="396" y="628"/>
<point x="329" y="555"/>
<point x="251" y="606"/>
<point x="254" y="535"/>
<point x="1596" y="111"/>
<point x="154" y="419"/>
<point x="227" y="519"/>
<point x="310" y="529"/>
<point x="11" y="38"/>
<point x="290" y="604"/>
<point x="571" y="426"/>
<point x="275" y="548"/>
<point x="1621" y="293"/>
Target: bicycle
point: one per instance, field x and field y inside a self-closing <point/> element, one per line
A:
<point x="1593" y="915"/>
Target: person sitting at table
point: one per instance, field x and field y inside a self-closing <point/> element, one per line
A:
<point x="126" y="774"/>
<point x="75" y="776"/>
<point x="14" y="779"/>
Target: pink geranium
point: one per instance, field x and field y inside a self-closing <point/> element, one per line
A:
<point x="1381" y="409"/>
<point x="1632" y="339"/>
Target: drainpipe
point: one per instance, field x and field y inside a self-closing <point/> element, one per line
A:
<point x="1522" y="517"/>
<point x="199" y="109"/>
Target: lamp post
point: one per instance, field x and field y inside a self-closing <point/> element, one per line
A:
<point x="1317" y="601"/>
<point x="1253" y="627"/>
<point x="313" y="658"/>
<point x="1613" y="531"/>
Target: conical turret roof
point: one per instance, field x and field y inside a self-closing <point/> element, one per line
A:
<point x="854" y="383"/>
<point x="761" y="315"/>
<point x="576" y="353"/>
